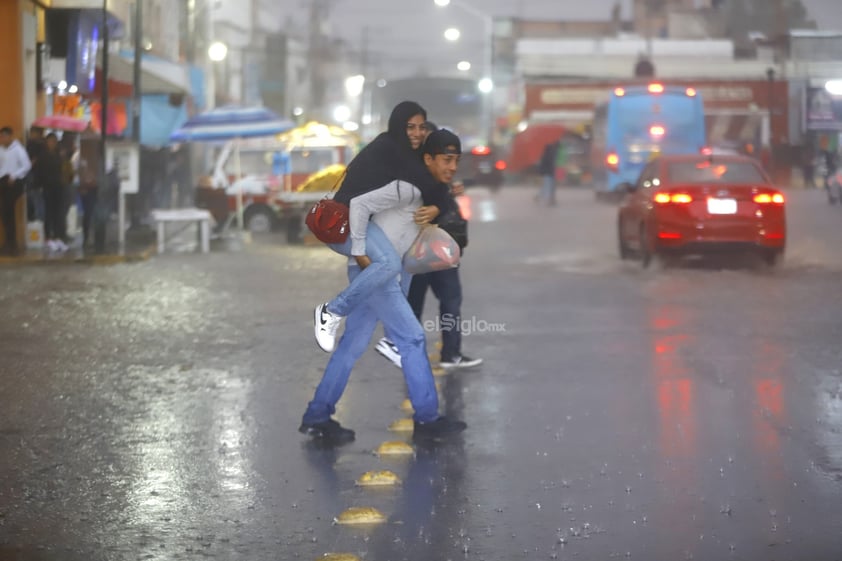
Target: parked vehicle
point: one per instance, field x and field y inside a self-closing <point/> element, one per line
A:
<point x="482" y="166"/>
<point x="695" y="204"/>
<point x="266" y="173"/>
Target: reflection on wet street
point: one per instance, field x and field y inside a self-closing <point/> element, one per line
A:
<point x="689" y="411"/>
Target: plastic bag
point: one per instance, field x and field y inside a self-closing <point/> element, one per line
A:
<point x="433" y="250"/>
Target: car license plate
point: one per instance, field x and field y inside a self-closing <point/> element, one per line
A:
<point x="722" y="206"/>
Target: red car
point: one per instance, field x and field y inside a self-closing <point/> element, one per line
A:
<point x="698" y="204"/>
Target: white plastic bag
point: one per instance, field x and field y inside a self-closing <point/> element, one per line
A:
<point x="35" y="234"/>
<point x="433" y="250"/>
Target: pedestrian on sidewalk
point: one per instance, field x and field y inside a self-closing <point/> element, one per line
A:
<point x="14" y="166"/>
<point x="50" y="175"/>
<point x="398" y="212"/>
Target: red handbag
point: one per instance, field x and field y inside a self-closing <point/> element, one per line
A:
<point x="328" y="220"/>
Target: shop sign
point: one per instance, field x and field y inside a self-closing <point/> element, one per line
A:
<point x="823" y="110"/>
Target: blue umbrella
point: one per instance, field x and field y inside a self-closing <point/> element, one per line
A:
<point x="232" y="123"/>
<point x="229" y="122"/>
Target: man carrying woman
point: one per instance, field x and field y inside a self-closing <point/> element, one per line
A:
<point x="390" y="194"/>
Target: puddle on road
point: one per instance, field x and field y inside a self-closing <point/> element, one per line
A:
<point x="577" y="262"/>
<point x="586" y="263"/>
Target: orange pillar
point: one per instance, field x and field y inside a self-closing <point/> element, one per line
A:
<point x="11" y="66"/>
<point x="11" y="92"/>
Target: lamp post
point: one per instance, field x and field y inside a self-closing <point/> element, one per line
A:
<point x="486" y="84"/>
<point x="770" y="75"/>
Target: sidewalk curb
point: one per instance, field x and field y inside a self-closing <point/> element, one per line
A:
<point x="104" y="259"/>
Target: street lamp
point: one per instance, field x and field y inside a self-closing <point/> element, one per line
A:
<point x="452" y="34"/>
<point x="486" y="84"/>
<point x="217" y="51"/>
<point x="834" y="87"/>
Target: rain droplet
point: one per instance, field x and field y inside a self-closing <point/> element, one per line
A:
<point x="538" y="506"/>
<point x="628" y="489"/>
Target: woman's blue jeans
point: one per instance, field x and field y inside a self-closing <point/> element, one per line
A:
<point x="385" y="266"/>
<point x="388" y="304"/>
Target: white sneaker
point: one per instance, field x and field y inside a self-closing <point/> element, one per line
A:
<point x="61" y="247"/>
<point x="326" y="324"/>
<point x="460" y="362"/>
<point x="389" y="350"/>
<point x="51" y="245"/>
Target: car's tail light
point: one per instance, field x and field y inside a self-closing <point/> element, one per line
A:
<point x="500" y="165"/>
<point x="481" y="151"/>
<point x="669" y="235"/>
<point x="657" y="131"/>
<point x="673" y="198"/>
<point x="612" y="160"/>
<point x="769" y="199"/>
<point x="656" y="88"/>
<point x="706" y="151"/>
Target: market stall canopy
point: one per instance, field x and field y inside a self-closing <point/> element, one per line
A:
<point x="229" y="122"/>
<point x="318" y="134"/>
<point x="158" y="76"/>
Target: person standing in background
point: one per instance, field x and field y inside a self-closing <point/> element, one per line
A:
<point x="34" y="191"/>
<point x="14" y="167"/>
<point x="547" y="169"/>
<point x="49" y="174"/>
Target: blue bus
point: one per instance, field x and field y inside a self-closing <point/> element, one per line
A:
<point x="640" y="122"/>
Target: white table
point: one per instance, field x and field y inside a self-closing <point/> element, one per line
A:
<point x="200" y="216"/>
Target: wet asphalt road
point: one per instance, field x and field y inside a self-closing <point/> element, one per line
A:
<point x="149" y="410"/>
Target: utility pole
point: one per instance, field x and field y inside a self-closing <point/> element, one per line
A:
<point x="318" y="52"/>
<point x="100" y="213"/>
<point x="136" y="69"/>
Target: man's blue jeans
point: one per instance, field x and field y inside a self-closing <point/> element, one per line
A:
<point x="389" y="305"/>
<point x="448" y="289"/>
<point x="385" y="266"/>
<point x="548" y="189"/>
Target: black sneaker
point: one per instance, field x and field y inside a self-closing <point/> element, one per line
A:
<point x="439" y="428"/>
<point x="460" y="362"/>
<point x="327" y="430"/>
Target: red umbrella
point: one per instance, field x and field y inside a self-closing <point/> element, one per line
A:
<point x="61" y="123"/>
<point x="528" y="145"/>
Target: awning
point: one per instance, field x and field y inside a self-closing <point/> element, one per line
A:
<point x="158" y="76"/>
<point x="723" y="129"/>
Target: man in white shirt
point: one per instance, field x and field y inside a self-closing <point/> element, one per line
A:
<point x="14" y="165"/>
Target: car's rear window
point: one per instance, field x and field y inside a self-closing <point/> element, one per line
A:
<point x="714" y="172"/>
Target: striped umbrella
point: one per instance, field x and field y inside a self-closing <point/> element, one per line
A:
<point x="229" y="122"/>
<point x="232" y="123"/>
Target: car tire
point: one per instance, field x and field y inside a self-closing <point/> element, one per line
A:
<point x="260" y="220"/>
<point x="646" y="253"/>
<point x="625" y="252"/>
<point x="772" y="257"/>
